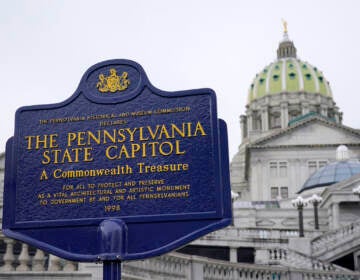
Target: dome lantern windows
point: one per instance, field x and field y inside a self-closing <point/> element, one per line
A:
<point x="292" y="75"/>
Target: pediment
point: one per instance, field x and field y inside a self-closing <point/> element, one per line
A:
<point x="312" y="132"/>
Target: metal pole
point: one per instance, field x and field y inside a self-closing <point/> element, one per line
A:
<point x="111" y="270"/>
<point x="301" y="221"/>
<point x="316" y="215"/>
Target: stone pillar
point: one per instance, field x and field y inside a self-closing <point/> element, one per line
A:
<point x="195" y="270"/>
<point x="9" y="256"/>
<point x="284" y="114"/>
<point x="357" y="261"/>
<point x="243" y="128"/>
<point x="336" y="114"/>
<point x="39" y="261"/>
<point x="335" y="215"/>
<point x="264" y="119"/>
<point x="233" y="254"/>
<point x="323" y="110"/>
<point x="262" y="256"/>
<point x="54" y="263"/>
<point x="305" y="108"/>
<point x="24" y="258"/>
<point x="249" y="122"/>
<point x="70" y="266"/>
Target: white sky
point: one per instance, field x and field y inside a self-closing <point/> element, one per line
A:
<point x="46" y="46"/>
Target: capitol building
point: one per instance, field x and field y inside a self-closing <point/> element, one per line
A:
<point x="295" y="183"/>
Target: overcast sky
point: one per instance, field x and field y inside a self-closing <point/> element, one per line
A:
<point x="46" y="46"/>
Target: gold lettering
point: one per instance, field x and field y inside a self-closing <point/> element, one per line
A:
<point x="121" y="134"/>
<point x="199" y="128"/>
<point x="134" y="149"/>
<point x="131" y="132"/>
<point x="44" y="175"/>
<point x="180" y="132"/>
<point x="93" y="137"/>
<point x="164" y="131"/>
<point x="141" y="136"/>
<point x="153" y="134"/>
<point x="124" y="151"/>
<point x="177" y="148"/>
<point x="71" y="136"/>
<point x="108" y="135"/>
<point x="44" y="141"/>
<point x="80" y="138"/>
<point x="29" y="141"/>
<point x="107" y="152"/>
<point x="87" y="155"/>
<point x="53" y="143"/>
<point x="46" y="156"/>
<point x="163" y="151"/>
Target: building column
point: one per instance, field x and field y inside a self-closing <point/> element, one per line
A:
<point x="243" y="128"/>
<point x="357" y="260"/>
<point x="284" y="115"/>
<point x="233" y="254"/>
<point x="323" y="110"/>
<point x="265" y="119"/>
<point x="335" y="215"/>
<point x="249" y="122"/>
<point x="336" y="114"/>
<point x="305" y="108"/>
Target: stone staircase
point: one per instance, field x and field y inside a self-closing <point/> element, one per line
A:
<point x="183" y="267"/>
<point x="324" y="249"/>
<point x="293" y="259"/>
<point x="336" y="243"/>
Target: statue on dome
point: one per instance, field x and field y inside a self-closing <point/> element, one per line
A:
<point x="285" y="25"/>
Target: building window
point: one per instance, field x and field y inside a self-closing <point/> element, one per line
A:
<point x="273" y="169"/>
<point x="315" y="165"/>
<point x="312" y="166"/>
<point x="274" y="192"/>
<point x="284" y="192"/>
<point x="278" y="169"/>
<point x="283" y="168"/>
<point x="279" y="193"/>
<point x="292" y="75"/>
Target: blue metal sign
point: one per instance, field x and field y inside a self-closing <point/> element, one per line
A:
<point x="119" y="171"/>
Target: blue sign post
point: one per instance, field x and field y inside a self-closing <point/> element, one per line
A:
<point x="119" y="171"/>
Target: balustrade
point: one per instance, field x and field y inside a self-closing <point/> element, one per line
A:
<point x="198" y="268"/>
<point x="231" y="233"/>
<point x="20" y="257"/>
<point x="335" y="238"/>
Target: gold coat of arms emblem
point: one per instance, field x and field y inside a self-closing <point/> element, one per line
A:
<point x="113" y="82"/>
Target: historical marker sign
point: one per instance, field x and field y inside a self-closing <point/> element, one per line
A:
<point x="119" y="171"/>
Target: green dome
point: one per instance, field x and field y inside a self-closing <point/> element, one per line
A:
<point x="288" y="74"/>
